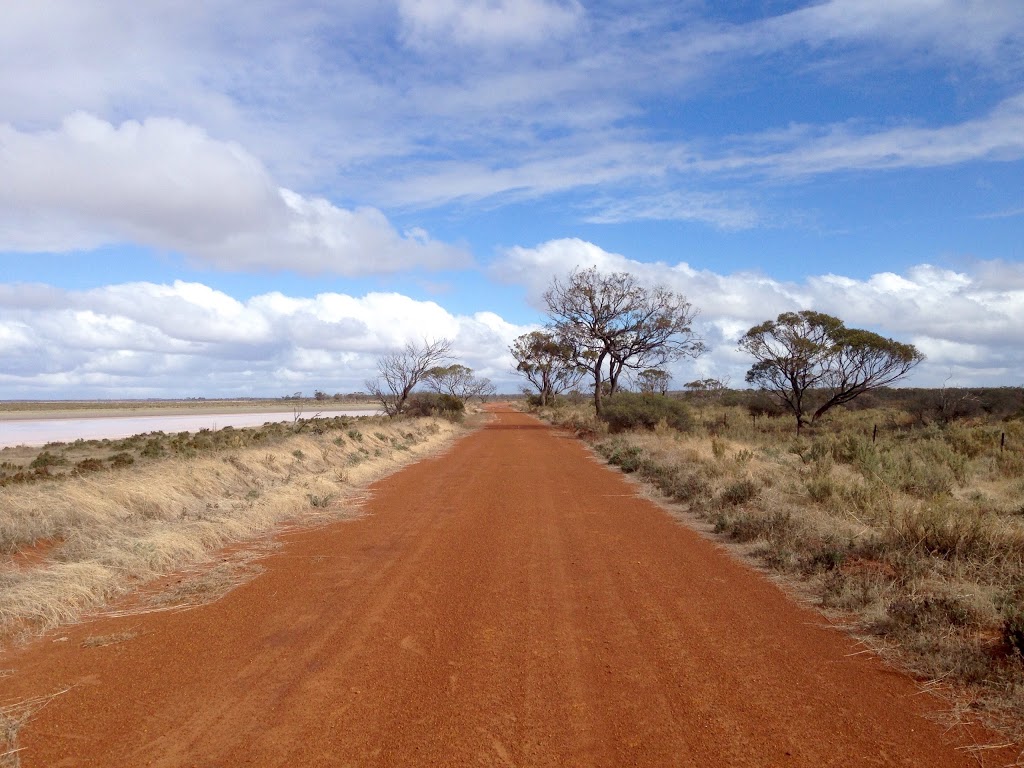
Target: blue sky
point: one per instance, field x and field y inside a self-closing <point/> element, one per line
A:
<point x="256" y="198"/>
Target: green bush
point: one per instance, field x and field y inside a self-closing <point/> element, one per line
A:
<point x="630" y="410"/>
<point x="47" y="459"/>
<point x="122" y="459"/>
<point x="434" y="404"/>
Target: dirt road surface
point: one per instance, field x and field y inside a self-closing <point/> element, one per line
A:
<point x="510" y="603"/>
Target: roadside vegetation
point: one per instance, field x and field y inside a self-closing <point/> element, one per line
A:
<point x="901" y="515"/>
<point x="87" y="522"/>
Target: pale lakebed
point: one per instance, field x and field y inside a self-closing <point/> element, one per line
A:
<point x="37" y="432"/>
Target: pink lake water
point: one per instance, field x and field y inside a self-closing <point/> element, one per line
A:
<point x="34" y="432"/>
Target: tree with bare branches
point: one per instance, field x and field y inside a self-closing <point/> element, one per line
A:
<point x="401" y="371"/>
<point x="613" y="323"/>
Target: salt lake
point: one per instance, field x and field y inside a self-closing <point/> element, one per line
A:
<point x="33" y="432"/>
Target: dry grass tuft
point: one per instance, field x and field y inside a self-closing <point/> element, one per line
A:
<point x="12" y="718"/>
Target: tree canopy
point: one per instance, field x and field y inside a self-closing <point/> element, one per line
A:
<point x="546" y="362"/>
<point x="609" y="322"/>
<point x="654" y="381"/>
<point x="811" y="362"/>
<point x="458" y="381"/>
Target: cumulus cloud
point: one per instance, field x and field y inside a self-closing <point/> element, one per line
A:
<point x="486" y="22"/>
<point x="167" y="184"/>
<point x="142" y="339"/>
<point x="967" y="322"/>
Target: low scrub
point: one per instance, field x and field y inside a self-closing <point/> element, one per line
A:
<point x="435" y="404"/>
<point x="632" y="410"/>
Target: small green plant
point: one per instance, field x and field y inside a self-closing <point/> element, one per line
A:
<point x="152" y="449"/>
<point x="47" y="459"/>
<point x="739" y="492"/>
<point x="298" y="454"/>
<point x="355" y="434"/>
<point x="89" y="465"/>
<point x="122" y="459"/>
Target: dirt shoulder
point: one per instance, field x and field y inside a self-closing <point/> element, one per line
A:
<point x="511" y="602"/>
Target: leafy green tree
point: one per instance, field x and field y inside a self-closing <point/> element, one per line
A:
<point x="613" y="323"/>
<point x="458" y="381"/>
<point x="654" y="381"/>
<point x="811" y="362"/>
<point x="546" y="362"/>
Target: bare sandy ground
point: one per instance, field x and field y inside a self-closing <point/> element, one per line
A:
<point x="510" y="603"/>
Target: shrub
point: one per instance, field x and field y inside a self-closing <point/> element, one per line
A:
<point x="919" y="612"/>
<point x="630" y="410"/>
<point x="1013" y="630"/>
<point x="434" y="404"/>
<point x="47" y="459"/>
<point x="152" y="449"/>
<point x="89" y="465"/>
<point x="739" y="492"/>
<point x="122" y="459"/>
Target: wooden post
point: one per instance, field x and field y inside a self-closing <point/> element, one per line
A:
<point x="874" y="433"/>
<point x="1002" y="442"/>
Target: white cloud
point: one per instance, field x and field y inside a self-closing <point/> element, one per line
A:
<point x="721" y="211"/>
<point x="326" y="97"/>
<point x="486" y="22"/>
<point x="167" y="184"/>
<point x="143" y="339"/>
<point x="806" y="150"/>
<point x="971" y="319"/>
<point x="959" y="29"/>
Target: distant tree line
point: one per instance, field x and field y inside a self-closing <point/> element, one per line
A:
<point x="603" y="325"/>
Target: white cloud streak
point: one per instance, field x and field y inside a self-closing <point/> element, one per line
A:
<point x="167" y="184"/>
<point x="424" y="103"/>
<point x="427" y="23"/>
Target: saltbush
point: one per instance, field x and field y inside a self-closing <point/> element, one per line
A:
<point x="434" y="404"/>
<point x="631" y="410"/>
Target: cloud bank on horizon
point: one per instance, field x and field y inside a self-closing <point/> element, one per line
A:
<point x="230" y="199"/>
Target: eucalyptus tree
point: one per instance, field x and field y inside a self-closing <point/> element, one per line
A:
<point x="654" y="381"/>
<point x="546" y="362"/>
<point x="811" y="362"/>
<point x="458" y="381"/>
<point x="610" y="322"/>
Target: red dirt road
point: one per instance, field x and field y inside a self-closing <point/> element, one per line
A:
<point x="510" y="603"/>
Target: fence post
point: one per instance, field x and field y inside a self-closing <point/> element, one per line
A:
<point x="1002" y="442"/>
<point x="874" y="433"/>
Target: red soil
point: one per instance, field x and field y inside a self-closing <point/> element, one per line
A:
<point x="509" y="603"/>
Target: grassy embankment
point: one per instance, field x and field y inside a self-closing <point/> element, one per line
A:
<point x="142" y="507"/>
<point x="914" y="541"/>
